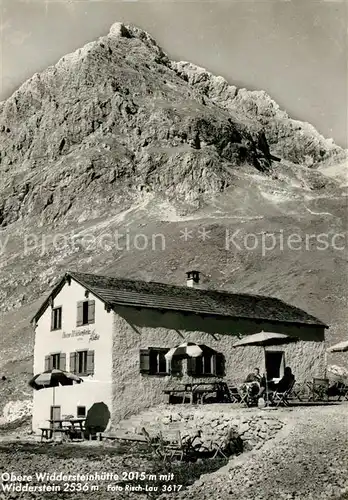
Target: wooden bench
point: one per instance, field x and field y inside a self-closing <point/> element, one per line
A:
<point x="122" y="436"/>
<point x="46" y="433"/>
<point x="74" y="433"/>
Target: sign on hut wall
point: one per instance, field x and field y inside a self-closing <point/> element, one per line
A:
<point x="80" y="333"/>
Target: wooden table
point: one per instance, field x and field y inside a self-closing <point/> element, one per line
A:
<point x="78" y="422"/>
<point x="68" y="427"/>
<point x="196" y="390"/>
<point x="71" y="421"/>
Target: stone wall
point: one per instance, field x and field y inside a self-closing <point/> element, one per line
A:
<point x="215" y="423"/>
<point x="136" y="329"/>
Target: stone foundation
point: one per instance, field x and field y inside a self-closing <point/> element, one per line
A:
<point x="219" y="425"/>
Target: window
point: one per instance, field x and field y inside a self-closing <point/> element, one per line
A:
<point x="55" y="360"/>
<point x="153" y="361"/>
<point x="212" y="365"/>
<point x="82" y="362"/>
<point x="85" y="312"/>
<point x="56" y="318"/>
<point x="81" y="411"/>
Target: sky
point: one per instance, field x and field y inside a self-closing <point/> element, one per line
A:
<point x="296" y="50"/>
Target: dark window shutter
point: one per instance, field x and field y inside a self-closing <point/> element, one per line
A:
<point x="72" y="367"/>
<point x="79" y="320"/>
<point x="220" y="364"/>
<point x="191" y="366"/>
<point x="47" y="362"/>
<point x="59" y="326"/>
<point x="62" y="361"/>
<point x="144" y="360"/>
<point x="91" y="311"/>
<point x="52" y="319"/>
<point x="162" y="362"/>
<point x="199" y="366"/>
<point x="154" y="362"/>
<point x="90" y="363"/>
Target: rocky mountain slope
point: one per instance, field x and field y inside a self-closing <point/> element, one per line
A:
<point x="117" y="139"/>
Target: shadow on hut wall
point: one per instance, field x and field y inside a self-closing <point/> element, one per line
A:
<point x="140" y="318"/>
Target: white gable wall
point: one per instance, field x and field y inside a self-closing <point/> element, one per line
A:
<point x="96" y="387"/>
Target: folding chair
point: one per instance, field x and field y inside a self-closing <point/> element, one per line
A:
<point x="175" y="448"/>
<point x="218" y="451"/>
<point x="223" y="394"/>
<point x="164" y="449"/>
<point x="300" y="392"/>
<point x="320" y="388"/>
<point x="235" y="396"/>
<point x="248" y="397"/>
<point x="155" y="443"/>
<point x="244" y="397"/>
<point x="282" y="398"/>
<point x="343" y="393"/>
<point x="239" y="396"/>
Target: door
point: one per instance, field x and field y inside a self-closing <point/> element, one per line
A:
<point x="275" y="362"/>
<point x="55" y="415"/>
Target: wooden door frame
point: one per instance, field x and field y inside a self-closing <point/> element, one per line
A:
<point x="51" y="412"/>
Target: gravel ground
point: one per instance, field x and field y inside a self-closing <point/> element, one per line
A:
<point x="307" y="461"/>
<point x="135" y="466"/>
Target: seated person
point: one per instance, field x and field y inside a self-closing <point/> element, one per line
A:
<point x="262" y="385"/>
<point x="283" y="385"/>
<point x="252" y="383"/>
<point x="286" y="381"/>
<point x="253" y="377"/>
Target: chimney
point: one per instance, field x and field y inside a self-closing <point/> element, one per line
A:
<point x="193" y="279"/>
